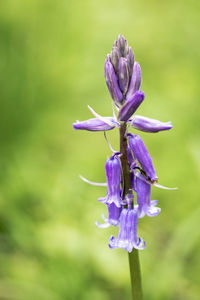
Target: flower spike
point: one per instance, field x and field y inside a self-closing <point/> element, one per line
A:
<point x="130" y="173"/>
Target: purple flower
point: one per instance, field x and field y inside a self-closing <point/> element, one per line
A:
<point x="149" y="125"/>
<point x="123" y="74"/>
<point x="135" y="81"/>
<point x="112" y="82"/>
<point x="127" y="237"/>
<point x="145" y="205"/>
<point x="142" y="155"/>
<point x="130" y="106"/>
<point x="113" y="170"/>
<point x="113" y="216"/>
<point x="95" y="124"/>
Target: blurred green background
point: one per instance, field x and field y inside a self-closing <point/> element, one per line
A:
<point x="52" y="57"/>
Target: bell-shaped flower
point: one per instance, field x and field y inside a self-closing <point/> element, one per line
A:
<point x="130" y="106"/>
<point x="113" y="169"/>
<point x="142" y="155"/>
<point x="127" y="237"/>
<point x="113" y="216"/>
<point x="149" y="125"/>
<point x="145" y="205"/>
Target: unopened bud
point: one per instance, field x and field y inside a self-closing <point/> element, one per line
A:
<point x="135" y="81"/>
<point x="130" y="58"/>
<point x="123" y="75"/>
<point x="114" y="57"/>
<point x="112" y="83"/>
<point x="130" y="106"/>
<point x="122" y="44"/>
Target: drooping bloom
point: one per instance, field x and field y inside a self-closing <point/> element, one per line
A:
<point x="145" y="205"/>
<point x="149" y="125"/>
<point x="142" y="155"/>
<point x="113" y="216"/>
<point x="113" y="168"/>
<point x="127" y="237"/>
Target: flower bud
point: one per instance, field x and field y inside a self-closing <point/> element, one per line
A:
<point x="123" y="74"/>
<point x="135" y="81"/>
<point x="130" y="58"/>
<point x="122" y="44"/>
<point x="142" y="155"/>
<point x="130" y="106"/>
<point x="114" y="57"/>
<point x="112" y="83"/>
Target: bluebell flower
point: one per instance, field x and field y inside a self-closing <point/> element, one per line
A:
<point x="127" y="237"/>
<point x="113" y="177"/>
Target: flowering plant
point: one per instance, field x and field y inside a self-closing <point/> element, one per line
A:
<point x="129" y="171"/>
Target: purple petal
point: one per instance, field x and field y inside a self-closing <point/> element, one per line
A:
<point x="94" y="125"/>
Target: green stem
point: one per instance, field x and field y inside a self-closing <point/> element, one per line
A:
<point x="136" y="283"/>
<point x="134" y="263"/>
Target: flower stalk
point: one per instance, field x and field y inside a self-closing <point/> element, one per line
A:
<point x="129" y="171"/>
<point x="133" y="257"/>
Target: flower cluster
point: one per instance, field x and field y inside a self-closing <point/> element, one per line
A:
<point x="123" y="78"/>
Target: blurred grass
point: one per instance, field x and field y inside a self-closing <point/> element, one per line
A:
<point x="51" y="61"/>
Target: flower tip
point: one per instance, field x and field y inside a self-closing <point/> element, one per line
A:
<point x="75" y="125"/>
